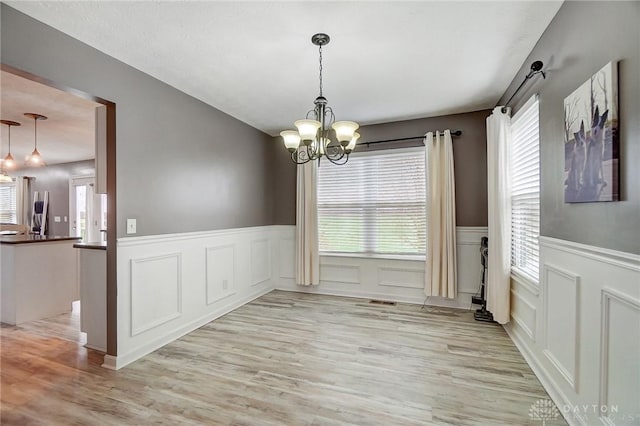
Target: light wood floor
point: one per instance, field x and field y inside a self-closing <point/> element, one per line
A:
<point x="283" y="359"/>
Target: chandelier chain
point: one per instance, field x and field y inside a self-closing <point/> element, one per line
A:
<point x="320" y="50"/>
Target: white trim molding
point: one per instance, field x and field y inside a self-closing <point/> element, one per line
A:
<point x="169" y="285"/>
<point x="603" y="255"/>
<point x="392" y="278"/>
<point x="585" y="354"/>
<point x="150" y="278"/>
<point x="528" y="328"/>
<point x="219" y="270"/>
<point x="568" y="341"/>
<point x="609" y="295"/>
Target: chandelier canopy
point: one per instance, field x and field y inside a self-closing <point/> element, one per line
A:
<point x="312" y="140"/>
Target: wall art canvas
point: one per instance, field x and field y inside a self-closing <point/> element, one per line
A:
<point x="591" y="143"/>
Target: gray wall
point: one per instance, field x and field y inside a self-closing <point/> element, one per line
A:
<point x="580" y="40"/>
<point x="470" y="158"/>
<point x="181" y="164"/>
<point x="55" y="179"/>
<point x="285" y="180"/>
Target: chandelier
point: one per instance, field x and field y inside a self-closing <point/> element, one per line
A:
<point x="312" y="140"/>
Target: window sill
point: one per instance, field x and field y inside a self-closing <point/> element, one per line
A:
<point x="419" y="258"/>
<point x="526" y="281"/>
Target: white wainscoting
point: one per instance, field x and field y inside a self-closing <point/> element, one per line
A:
<point x="169" y="285"/>
<point x="387" y="279"/>
<point x="579" y="330"/>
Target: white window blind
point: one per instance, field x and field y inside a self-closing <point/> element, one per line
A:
<point x="525" y="190"/>
<point x="8" y="212"/>
<point x="375" y="204"/>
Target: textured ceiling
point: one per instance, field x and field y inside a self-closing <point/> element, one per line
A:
<point x="67" y="135"/>
<point x="386" y="61"/>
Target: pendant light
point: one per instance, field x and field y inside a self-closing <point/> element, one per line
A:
<point x="8" y="161"/>
<point x="35" y="159"/>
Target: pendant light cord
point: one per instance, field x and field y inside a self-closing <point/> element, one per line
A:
<point x="35" y="132"/>
<point x="9" y="139"/>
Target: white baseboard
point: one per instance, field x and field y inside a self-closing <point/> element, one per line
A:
<point x="109" y="362"/>
<point x="548" y="383"/>
<point x="458" y="303"/>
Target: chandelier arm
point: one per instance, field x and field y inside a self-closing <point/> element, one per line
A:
<point x="332" y="117"/>
<point x="296" y="159"/>
<point x="335" y="153"/>
<point x="338" y="161"/>
<point x="311" y="111"/>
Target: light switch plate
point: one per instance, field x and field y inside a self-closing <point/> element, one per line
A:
<point x="131" y="226"/>
<point x="56" y="219"/>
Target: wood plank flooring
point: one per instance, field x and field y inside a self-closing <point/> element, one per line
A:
<point x="283" y="359"/>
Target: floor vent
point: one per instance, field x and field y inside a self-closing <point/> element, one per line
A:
<point x="382" y="302"/>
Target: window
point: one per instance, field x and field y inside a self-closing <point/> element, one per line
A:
<point x="525" y="190"/>
<point x="8" y="212"/>
<point x="376" y="204"/>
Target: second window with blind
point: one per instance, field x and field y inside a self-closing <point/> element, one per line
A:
<point x="375" y="205"/>
<point x="525" y="191"/>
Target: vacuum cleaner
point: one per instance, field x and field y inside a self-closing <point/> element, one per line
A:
<point x="482" y="314"/>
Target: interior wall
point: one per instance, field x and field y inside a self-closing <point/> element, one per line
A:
<point x="182" y="165"/>
<point x="284" y="179"/>
<point x="469" y="151"/>
<point x="55" y="179"/>
<point x="581" y="39"/>
<point x="579" y="327"/>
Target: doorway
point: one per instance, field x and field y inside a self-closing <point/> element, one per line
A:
<point x="106" y="174"/>
<point x="87" y="210"/>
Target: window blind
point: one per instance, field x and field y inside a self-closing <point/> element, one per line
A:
<point x="375" y="204"/>
<point x="8" y="211"/>
<point x="525" y="190"/>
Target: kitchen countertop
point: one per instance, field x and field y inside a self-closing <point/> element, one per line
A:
<point x="28" y="239"/>
<point x="93" y="246"/>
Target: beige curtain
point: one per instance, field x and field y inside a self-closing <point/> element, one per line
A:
<point x="307" y="252"/>
<point x="499" y="210"/>
<point x="440" y="270"/>
<point x="23" y="200"/>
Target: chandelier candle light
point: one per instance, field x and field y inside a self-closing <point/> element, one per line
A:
<point x="314" y="132"/>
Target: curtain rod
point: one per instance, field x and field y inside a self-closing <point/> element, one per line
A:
<point x="536" y="68"/>
<point x="453" y="133"/>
